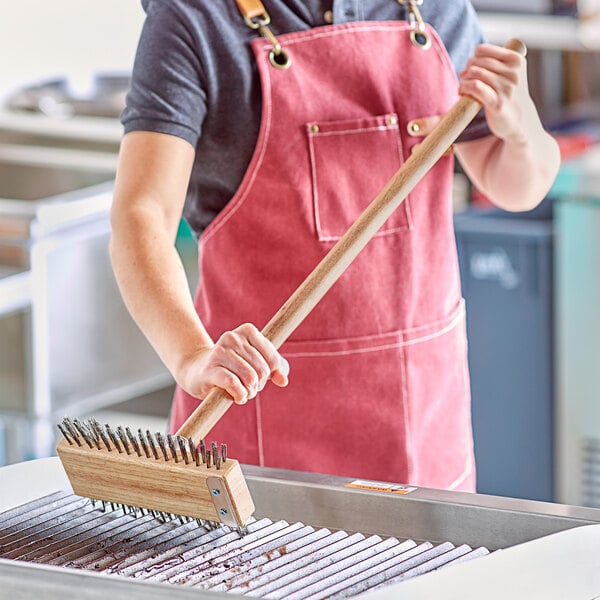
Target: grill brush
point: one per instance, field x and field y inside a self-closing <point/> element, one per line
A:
<point x="175" y="475"/>
<point x="169" y="476"/>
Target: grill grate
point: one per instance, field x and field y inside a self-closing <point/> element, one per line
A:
<point x="274" y="560"/>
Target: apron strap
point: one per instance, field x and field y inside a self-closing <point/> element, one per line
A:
<point x="418" y="33"/>
<point x="254" y="13"/>
<point x="256" y="17"/>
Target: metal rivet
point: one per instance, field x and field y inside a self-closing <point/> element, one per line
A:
<point x="414" y="127"/>
<point x="393" y="120"/>
<point x="314" y="128"/>
<point x="328" y="16"/>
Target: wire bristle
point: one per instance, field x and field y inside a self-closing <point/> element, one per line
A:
<point x="161" y="516"/>
<point x="120" y="439"/>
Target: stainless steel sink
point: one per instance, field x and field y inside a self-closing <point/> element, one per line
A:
<point x="31" y="177"/>
<point x="31" y="181"/>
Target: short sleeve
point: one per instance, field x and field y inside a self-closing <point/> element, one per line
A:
<point x="167" y="94"/>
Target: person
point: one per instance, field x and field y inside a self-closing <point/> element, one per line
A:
<point x="270" y="146"/>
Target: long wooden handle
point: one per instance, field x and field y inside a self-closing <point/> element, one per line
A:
<point x="335" y="262"/>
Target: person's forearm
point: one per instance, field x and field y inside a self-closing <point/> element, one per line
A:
<point x="514" y="174"/>
<point x="516" y="165"/>
<point x="154" y="286"/>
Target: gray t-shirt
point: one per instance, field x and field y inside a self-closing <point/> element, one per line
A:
<point x="195" y="77"/>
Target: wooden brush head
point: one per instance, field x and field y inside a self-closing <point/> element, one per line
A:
<point x="169" y="477"/>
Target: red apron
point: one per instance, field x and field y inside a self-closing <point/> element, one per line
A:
<point x="378" y="374"/>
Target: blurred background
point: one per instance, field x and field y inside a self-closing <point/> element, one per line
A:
<point x="531" y="281"/>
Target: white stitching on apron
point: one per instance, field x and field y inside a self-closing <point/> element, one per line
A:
<point x="400" y="344"/>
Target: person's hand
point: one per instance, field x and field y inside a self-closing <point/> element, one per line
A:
<point x="497" y="78"/>
<point x="240" y="362"/>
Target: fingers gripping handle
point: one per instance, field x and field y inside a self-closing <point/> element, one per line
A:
<point x="314" y="287"/>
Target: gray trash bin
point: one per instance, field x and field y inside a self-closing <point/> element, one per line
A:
<point x="506" y="272"/>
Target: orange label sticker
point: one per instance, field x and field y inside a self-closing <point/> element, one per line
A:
<point x="378" y="486"/>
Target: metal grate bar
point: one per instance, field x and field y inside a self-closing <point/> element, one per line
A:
<point x="285" y="558"/>
<point x="317" y="560"/>
<point x="342" y="571"/>
<point x="14" y="516"/>
<point x="20" y="544"/>
<point x="146" y="561"/>
<point x="402" y="567"/>
<point x="421" y="563"/>
<point x="106" y="550"/>
<point x="330" y="568"/>
<point x="77" y="523"/>
<point x="225" y="568"/>
<point x="377" y="571"/>
<point x="88" y="541"/>
<point x="39" y="518"/>
<point x="433" y="562"/>
<point x="196" y="558"/>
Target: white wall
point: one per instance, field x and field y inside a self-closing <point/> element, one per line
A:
<point x="43" y="38"/>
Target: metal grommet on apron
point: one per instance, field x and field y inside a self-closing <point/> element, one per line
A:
<point x="280" y="59"/>
<point x="418" y="32"/>
<point x="256" y="17"/>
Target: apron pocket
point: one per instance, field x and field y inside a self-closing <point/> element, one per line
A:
<point x="351" y="161"/>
